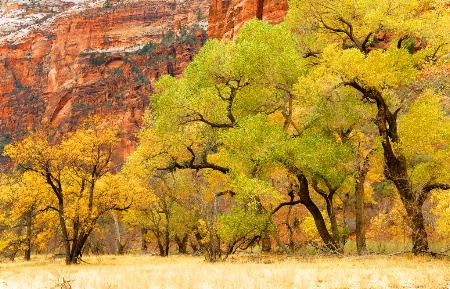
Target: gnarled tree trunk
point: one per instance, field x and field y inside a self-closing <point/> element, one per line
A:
<point x="396" y="167"/>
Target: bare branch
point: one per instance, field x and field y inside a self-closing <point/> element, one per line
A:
<point x="190" y="164"/>
<point x="201" y="118"/>
<point x="366" y="40"/>
<point x="430" y="187"/>
<point x="227" y="192"/>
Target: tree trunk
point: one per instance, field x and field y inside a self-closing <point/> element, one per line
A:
<point x="259" y="9"/>
<point x="328" y="197"/>
<point x="213" y="251"/>
<point x="167" y="242"/>
<point x="27" y="255"/>
<point x="65" y="234"/>
<point x="120" y="246"/>
<point x="161" y="242"/>
<point x="144" y="246"/>
<point x="396" y="167"/>
<point x="266" y="245"/>
<point x="417" y="223"/>
<point x="28" y="237"/>
<point x="161" y="248"/>
<point x="333" y="221"/>
<point x="305" y="198"/>
<point x="14" y="251"/>
<point x="360" y="226"/>
<point x="182" y="243"/>
<point x="397" y="172"/>
<point x="359" y="207"/>
<point x="77" y="246"/>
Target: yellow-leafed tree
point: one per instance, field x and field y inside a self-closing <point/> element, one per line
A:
<point x="73" y="169"/>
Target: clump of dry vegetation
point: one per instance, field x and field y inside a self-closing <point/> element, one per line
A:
<point x="144" y="271"/>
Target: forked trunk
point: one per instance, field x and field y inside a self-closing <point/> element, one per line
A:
<point x="305" y="198"/>
<point x="182" y="243"/>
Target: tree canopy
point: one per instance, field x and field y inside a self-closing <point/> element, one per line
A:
<point x="289" y="129"/>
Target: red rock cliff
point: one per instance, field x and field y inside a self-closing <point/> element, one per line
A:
<point x="226" y="17"/>
<point x="61" y="62"/>
<point x="101" y="60"/>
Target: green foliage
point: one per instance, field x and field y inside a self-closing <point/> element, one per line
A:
<point x="99" y="59"/>
<point x="147" y="49"/>
<point x="272" y="117"/>
<point x="4" y="140"/>
<point x="255" y="145"/>
<point x="425" y="130"/>
<point x="241" y="223"/>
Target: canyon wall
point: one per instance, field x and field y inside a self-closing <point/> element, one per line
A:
<point x="94" y="60"/>
<point x="226" y="17"/>
<point x="63" y="60"/>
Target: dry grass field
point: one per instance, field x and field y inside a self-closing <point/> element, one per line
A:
<point x="140" y="272"/>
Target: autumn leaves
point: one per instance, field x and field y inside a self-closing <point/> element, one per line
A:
<point x="300" y="113"/>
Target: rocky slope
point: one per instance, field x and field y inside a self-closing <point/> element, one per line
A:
<point x="226" y="17"/>
<point x="61" y="61"/>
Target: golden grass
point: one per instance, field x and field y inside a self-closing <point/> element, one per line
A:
<point x="133" y="272"/>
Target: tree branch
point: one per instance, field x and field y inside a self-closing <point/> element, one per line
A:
<point x="227" y="192"/>
<point x="190" y="164"/>
<point x="366" y="40"/>
<point x="290" y="203"/>
<point x="210" y="123"/>
<point x="439" y="186"/>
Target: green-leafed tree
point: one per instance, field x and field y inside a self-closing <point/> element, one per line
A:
<point x="237" y="111"/>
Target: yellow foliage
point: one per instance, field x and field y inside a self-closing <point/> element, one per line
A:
<point x="204" y="232"/>
<point x="389" y="224"/>
<point x="308" y="226"/>
<point x="441" y="210"/>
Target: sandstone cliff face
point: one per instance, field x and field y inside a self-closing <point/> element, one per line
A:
<point x="63" y="60"/>
<point x="226" y="17"/>
<point x="101" y="59"/>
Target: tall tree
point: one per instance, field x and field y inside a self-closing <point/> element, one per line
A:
<point x="232" y="85"/>
<point x="385" y="74"/>
<point x="74" y="169"/>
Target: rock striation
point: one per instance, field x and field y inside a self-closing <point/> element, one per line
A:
<point x="63" y="60"/>
<point x="226" y="17"/>
<point x="92" y="57"/>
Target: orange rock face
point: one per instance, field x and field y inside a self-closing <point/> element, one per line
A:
<point x="102" y="60"/>
<point x="226" y="17"/>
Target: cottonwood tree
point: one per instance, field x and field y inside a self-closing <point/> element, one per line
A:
<point x="170" y="208"/>
<point x="230" y="84"/>
<point x="164" y="213"/>
<point x="74" y="169"/>
<point x="25" y="215"/>
<point x="344" y="36"/>
<point x="211" y="99"/>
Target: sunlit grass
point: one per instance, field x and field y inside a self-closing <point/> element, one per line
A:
<point x="132" y="272"/>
